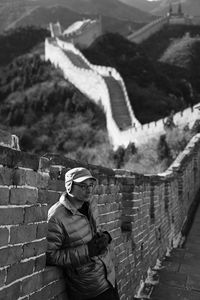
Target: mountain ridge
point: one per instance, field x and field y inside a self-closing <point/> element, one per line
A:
<point x="12" y="13"/>
<point x="42" y="16"/>
<point x="161" y="7"/>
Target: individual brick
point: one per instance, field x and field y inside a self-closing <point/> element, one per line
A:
<point x="41" y="230"/>
<point x="10" y="292"/>
<point x="56" y="185"/>
<point x="18" y="177"/>
<point x="22" y="233"/>
<point x="42" y="196"/>
<point x="5" y="176"/>
<point x="31" y="178"/>
<point x="10" y="255"/>
<point x="40" y="263"/>
<point x="4" y="234"/>
<point x="35" y="214"/>
<point x="22" y="196"/>
<point x="31" y="284"/>
<point x="19" y="270"/>
<point x="11" y="215"/>
<point x="49" y="197"/>
<point x="34" y="249"/>
<point x="42" y="180"/>
<point x="4" y="195"/>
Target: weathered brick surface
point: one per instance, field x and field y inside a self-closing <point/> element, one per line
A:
<point x="11" y="215"/>
<point x="35" y="213"/>
<point x="4" y="234"/>
<point x="50" y="197"/>
<point x="144" y="214"/>
<point x="10" y="255"/>
<point x="34" y="248"/>
<point x="22" y="196"/>
<point x="2" y="277"/>
<point x="55" y="289"/>
<point x="4" y="195"/>
<point x="56" y="185"/>
<point x="40" y="263"/>
<point x="11" y="292"/>
<point x="14" y="159"/>
<point x="19" y="270"/>
<point x="5" y="176"/>
<point x="41" y="230"/>
<point x="31" y="284"/>
<point x="23" y="233"/>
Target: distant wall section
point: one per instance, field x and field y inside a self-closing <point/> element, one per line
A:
<point x="86" y="33"/>
<point x="149" y="29"/>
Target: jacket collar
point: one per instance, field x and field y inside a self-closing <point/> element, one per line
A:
<point x="67" y="204"/>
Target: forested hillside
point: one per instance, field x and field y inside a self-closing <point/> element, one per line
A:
<point x="20" y="41"/>
<point x="154" y="88"/>
<point x="50" y="115"/>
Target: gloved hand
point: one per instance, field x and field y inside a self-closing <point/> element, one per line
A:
<point x="92" y="247"/>
<point x="99" y="243"/>
<point x="103" y="240"/>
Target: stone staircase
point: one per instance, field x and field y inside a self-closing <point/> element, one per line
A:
<point x="120" y="111"/>
<point x="77" y="60"/>
<point x="119" y="107"/>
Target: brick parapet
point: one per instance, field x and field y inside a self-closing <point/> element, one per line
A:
<point x="144" y="214"/>
<point x="9" y="140"/>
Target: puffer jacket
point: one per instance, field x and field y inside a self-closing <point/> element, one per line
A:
<point x="69" y="231"/>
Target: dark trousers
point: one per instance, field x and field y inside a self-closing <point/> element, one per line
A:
<point x="110" y="294"/>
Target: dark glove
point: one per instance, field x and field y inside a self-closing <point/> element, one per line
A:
<point x="92" y="247"/>
<point x="99" y="243"/>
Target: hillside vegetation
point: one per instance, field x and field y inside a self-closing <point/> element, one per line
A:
<point x="155" y="88"/>
<point x="20" y="41"/>
<point x="50" y="115"/>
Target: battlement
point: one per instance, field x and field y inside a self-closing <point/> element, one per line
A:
<point x="81" y="33"/>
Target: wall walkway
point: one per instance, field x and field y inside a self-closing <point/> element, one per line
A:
<point x="180" y="278"/>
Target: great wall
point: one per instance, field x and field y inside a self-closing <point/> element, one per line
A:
<point x="146" y="215"/>
<point x="105" y="86"/>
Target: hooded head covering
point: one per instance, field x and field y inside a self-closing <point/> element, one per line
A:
<point x="76" y="175"/>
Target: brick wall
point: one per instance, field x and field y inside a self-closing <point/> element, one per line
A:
<point x="144" y="214"/>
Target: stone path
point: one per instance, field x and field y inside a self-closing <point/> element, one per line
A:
<point x="180" y="279"/>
